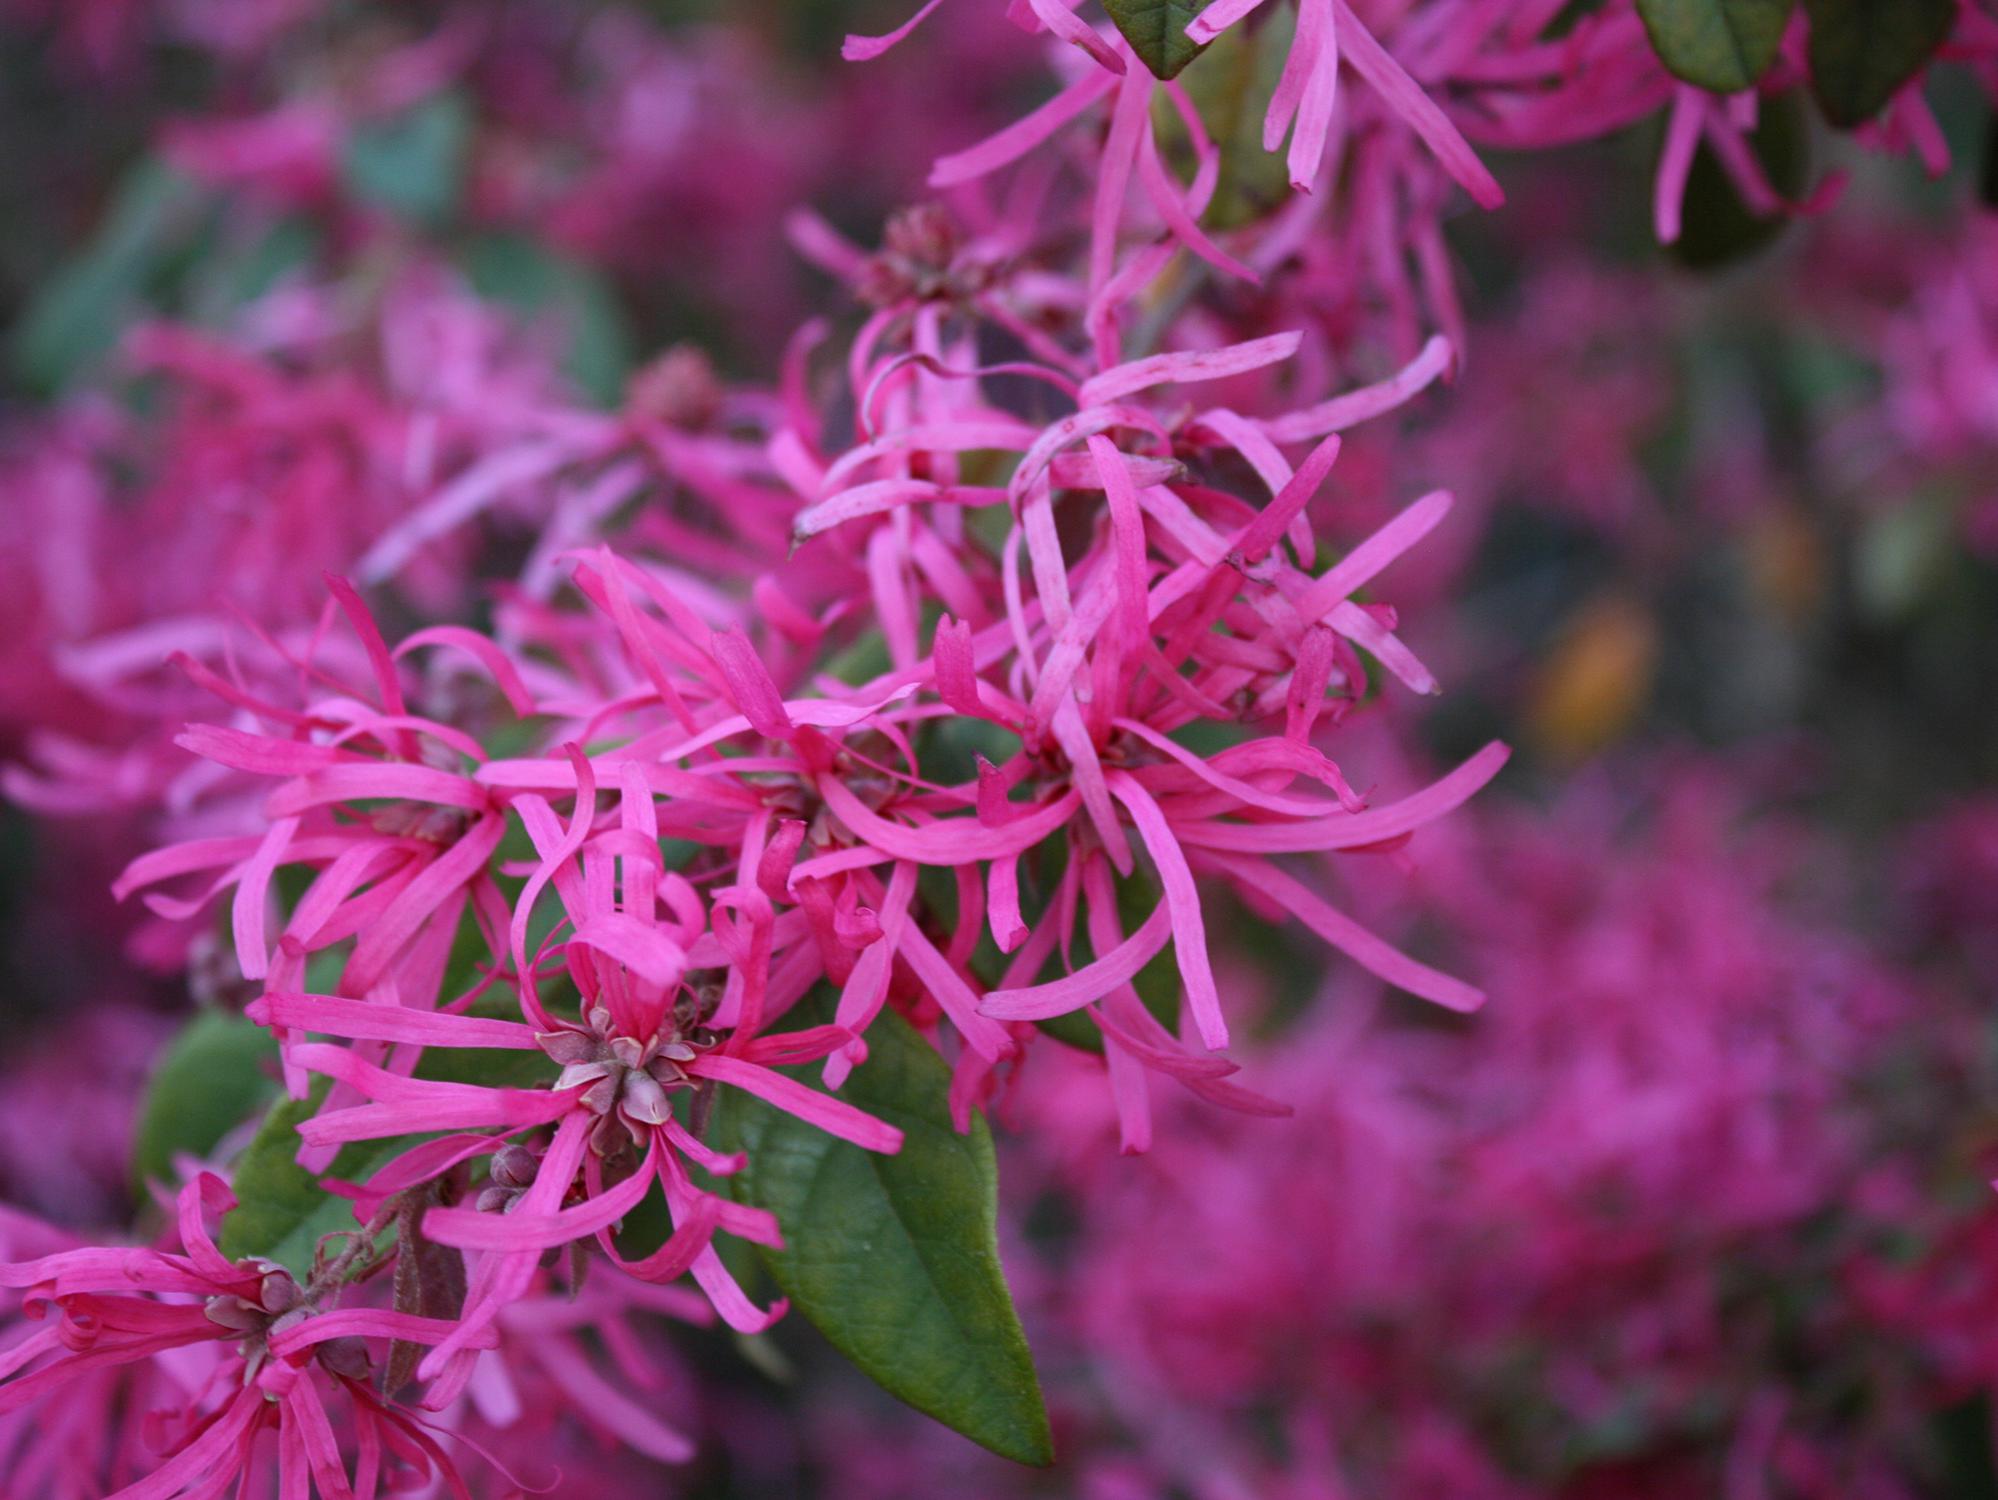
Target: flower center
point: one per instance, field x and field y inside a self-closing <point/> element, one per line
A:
<point x="280" y="1303"/>
<point x="628" y="1079"/>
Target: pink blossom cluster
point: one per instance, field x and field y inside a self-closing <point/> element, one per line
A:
<point x="1625" y="1237"/>
<point x="548" y="780"/>
<point x="921" y="617"/>
<point x="1438" y="82"/>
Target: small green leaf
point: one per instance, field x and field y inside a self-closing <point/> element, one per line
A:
<point x="414" y="164"/>
<point x="1723" y="45"/>
<point x="1861" y="51"/>
<point x="1156" y="30"/>
<point x="211" y="1079"/>
<point x="896" y="1258"/>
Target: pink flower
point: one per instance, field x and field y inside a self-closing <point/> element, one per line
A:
<point x="281" y="1350"/>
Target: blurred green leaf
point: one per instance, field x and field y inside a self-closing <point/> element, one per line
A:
<point x="212" y="1078"/>
<point x="1723" y="45"/>
<point x="522" y="274"/>
<point x="413" y="165"/>
<point x="76" y="316"/>
<point x="1861" y="51"/>
<point x="232" y="275"/>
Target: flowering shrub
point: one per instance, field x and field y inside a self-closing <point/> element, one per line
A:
<point x="627" y="825"/>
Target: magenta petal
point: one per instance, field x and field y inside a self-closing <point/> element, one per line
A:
<point x="1089" y="983"/>
<point x="809" y="1105"/>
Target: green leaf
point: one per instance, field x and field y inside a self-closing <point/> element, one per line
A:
<point x="1156" y="30"/>
<point x="1158" y="983"/>
<point x="211" y="1079"/>
<point x="515" y="270"/>
<point x="1987" y="177"/>
<point x="896" y="1258"/>
<point x="1861" y="51"/>
<point x="77" y="314"/>
<point x="414" y="164"/>
<point x="281" y="1211"/>
<point x="1723" y="45"/>
<point x="1232" y="92"/>
<point x="1718" y="227"/>
<point x="234" y="273"/>
<point x="1571" y="15"/>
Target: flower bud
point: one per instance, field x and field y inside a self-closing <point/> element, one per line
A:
<point x="515" y="1167"/>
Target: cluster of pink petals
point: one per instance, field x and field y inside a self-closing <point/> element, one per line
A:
<point x="955" y="684"/>
<point x="983" y="659"/>
<point x="1387" y="104"/>
<point x="277" y="1358"/>
<point x="1601" y="1216"/>
<point x="178" y="546"/>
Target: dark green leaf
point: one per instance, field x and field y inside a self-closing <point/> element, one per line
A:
<point x="895" y="1258"/>
<point x="952" y="747"/>
<point x="1963" y="1438"/>
<point x="1718" y="228"/>
<point x="1861" y="51"/>
<point x="1571" y="15"/>
<point x="1987" y="180"/>
<point x="413" y="165"/>
<point x="212" y="1078"/>
<point x="1723" y="45"/>
<point x="492" y="1068"/>
<point x="1156" y="30"/>
<point x="1158" y="983"/>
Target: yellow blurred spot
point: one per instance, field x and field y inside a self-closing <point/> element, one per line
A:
<point x="1597" y="680"/>
<point x="1787" y="562"/>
